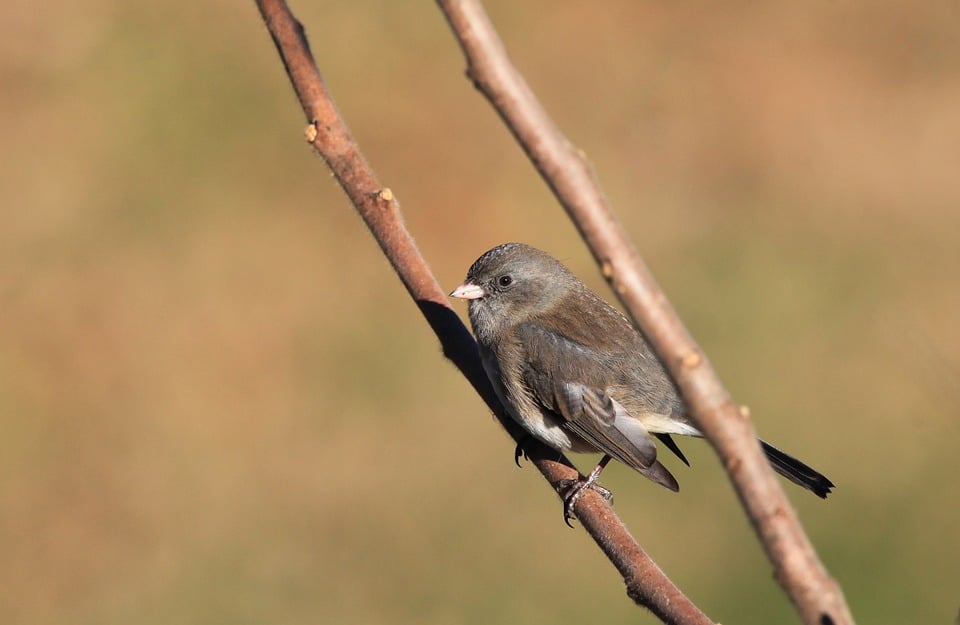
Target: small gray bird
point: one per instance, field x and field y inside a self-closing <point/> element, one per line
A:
<point x="576" y="373"/>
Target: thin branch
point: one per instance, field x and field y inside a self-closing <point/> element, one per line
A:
<point x="816" y="596"/>
<point x="378" y="207"/>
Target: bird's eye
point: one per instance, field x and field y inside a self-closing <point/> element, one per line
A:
<point x="505" y="280"/>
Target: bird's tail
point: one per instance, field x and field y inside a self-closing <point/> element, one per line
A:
<point x="796" y="471"/>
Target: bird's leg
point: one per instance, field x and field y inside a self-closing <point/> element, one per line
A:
<point x="578" y="486"/>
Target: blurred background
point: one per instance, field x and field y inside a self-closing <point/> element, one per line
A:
<point x="217" y="404"/>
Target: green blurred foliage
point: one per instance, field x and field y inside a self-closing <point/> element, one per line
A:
<point x="217" y="405"/>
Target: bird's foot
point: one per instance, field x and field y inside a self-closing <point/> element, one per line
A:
<point x="572" y="490"/>
<point x="576" y="487"/>
<point x="520" y="451"/>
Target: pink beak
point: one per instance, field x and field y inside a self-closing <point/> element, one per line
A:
<point x="468" y="290"/>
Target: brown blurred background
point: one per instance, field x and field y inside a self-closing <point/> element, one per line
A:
<point x="217" y="405"/>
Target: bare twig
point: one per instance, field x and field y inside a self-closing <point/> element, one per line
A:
<point x="327" y="133"/>
<point x="816" y="596"/>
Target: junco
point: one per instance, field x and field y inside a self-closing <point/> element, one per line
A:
<point x="576" y="373"/>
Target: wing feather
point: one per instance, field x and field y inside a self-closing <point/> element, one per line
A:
<point x="588" y="411"/>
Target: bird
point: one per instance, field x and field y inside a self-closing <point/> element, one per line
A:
<point x="577" y="375"/>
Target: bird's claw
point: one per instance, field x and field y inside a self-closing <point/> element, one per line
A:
<point x="520" y="451"/>
<point x="573" y="489"/>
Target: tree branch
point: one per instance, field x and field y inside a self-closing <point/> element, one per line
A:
<point x="815" y="595"/>
<point x="327" y="133"/>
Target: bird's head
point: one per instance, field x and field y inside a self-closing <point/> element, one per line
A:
<point x="508" y="285"/>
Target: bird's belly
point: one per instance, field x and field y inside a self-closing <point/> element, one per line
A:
<point x="540" y="423"/>
<point x="529" y="413"/>
<point x="548" y="431"/>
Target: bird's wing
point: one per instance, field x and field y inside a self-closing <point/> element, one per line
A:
<point x="568" y="379"/>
